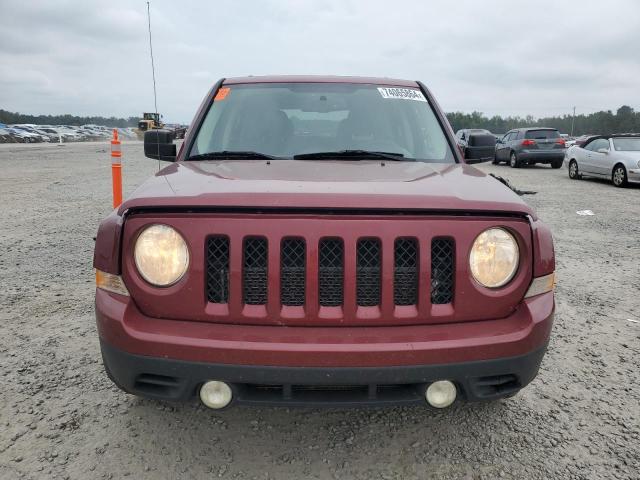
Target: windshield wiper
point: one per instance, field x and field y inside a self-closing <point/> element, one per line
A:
<point x="231" y="154"/>
<point x="350" y="154"/>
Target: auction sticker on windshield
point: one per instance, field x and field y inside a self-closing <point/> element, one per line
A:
<point x="402" y="93"/>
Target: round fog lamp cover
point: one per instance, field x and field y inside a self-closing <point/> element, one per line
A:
<point x="441" y="394"/>
<point x="216" y="394"/>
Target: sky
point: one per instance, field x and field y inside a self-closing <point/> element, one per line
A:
<point x="532" y="57"/>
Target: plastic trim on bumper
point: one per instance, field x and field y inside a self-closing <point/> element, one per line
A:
<point x="176" y="380"/>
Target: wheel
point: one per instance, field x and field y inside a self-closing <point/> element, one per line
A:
<point x="513" y="161"/>
<point x="495" y="160"/>
<point x="619" y="176"/>
<point x="573" y="170"/>
<point x="557" y="164"/>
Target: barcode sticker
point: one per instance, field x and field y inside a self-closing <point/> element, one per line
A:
<point x="402" y="93"/>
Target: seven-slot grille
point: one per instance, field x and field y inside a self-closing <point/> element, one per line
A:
<point x="331" y="270"/>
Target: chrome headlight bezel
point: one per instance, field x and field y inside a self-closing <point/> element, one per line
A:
<point x="494" y="238"/>
<point x="146" y="247"/>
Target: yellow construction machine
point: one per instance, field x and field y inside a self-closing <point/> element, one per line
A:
<point x="148" y="122"/>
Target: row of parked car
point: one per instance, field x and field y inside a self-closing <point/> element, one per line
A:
<point x="615" y="157"/>
<point x="31" y="133"/>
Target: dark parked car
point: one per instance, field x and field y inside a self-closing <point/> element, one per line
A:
<point x="476" y="143"/>
<point x="528" y="146"/>
<point x="321" y="241"/>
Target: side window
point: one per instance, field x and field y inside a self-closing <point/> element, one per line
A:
<point x="520" y="135"/>
<point x="598" y="144"/>
<point x="511" y="136"/>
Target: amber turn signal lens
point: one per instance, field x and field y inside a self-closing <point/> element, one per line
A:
<point x="541" y="285"/>
<point x="110" y="283"/>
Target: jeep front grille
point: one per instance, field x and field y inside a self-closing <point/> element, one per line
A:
<point x="329" y="271"/>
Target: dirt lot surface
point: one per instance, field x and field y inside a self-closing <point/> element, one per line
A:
<point x="60" y="417"/>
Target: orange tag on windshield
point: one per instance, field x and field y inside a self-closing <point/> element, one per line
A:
<point x="222" y="93"/>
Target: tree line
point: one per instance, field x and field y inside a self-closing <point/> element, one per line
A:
<point x="15" y="117"/>
<point x="624" y="120"/>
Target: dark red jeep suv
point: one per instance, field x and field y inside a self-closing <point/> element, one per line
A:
<point x="321" y="241"/>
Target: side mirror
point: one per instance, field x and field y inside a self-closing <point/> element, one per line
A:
<point x="158" y="144"/>
<point x="603" y="150"/>
<point x="499" y="141"/>
<point x="481" y="148"/>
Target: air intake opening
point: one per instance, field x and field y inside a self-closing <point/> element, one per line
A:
<point x="442" y="270"/>
<point x="368" y="269"/>
<point x="153" y="384"/>
<point x="218" y="269"/>
<point x="331" y="272"/>
<point x="495" y="385"/>
<point x="405" y="272"/>
<point x="254" y="272"/>
<point x="292" y="272"/>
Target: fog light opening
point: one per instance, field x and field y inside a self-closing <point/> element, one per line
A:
<point x="215" y="394"/>
<point x="441" y="394"/>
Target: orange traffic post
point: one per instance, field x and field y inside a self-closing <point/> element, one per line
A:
<point x="116" y="169"/>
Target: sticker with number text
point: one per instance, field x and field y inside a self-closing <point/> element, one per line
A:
<point x="402" y="93"/>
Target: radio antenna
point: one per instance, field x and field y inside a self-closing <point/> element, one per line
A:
<point x="153" y="74"/>
<point x="153" y="69"/>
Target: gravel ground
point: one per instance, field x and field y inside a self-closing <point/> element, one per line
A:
<point x="60" y="417"/>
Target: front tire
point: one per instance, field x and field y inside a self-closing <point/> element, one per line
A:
<point x="619" y="176"/>
<point x="574" y="174"/>
<point x="513" y="160"/>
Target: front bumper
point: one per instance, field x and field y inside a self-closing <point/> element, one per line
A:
<point x="170" y="359"/>
<point x="633" y="175"/>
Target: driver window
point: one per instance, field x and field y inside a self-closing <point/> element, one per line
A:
<point x="598" y="144"/>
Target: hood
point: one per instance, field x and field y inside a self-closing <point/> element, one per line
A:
<point x="369" y="184"/>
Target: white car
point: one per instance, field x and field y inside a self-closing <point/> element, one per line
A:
<point x="616" y="157"/>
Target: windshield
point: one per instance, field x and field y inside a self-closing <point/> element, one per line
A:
<point x="627" y="144"/>
<point x="288" y="119"/>
<point x="542" y="134"/>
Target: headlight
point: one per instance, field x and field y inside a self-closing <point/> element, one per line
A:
<point x="161" y="255"/>
<point x="494" y="258"/>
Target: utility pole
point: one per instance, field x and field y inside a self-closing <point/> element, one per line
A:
<point x="573" y="119"/>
